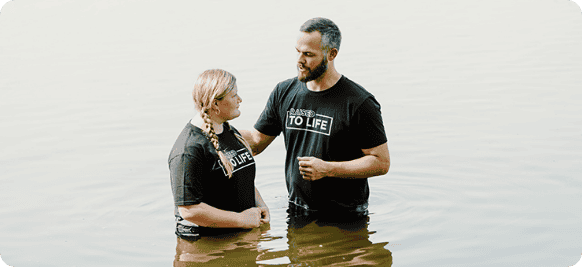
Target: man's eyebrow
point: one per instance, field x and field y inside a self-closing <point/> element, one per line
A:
<point x="304" y="52"/>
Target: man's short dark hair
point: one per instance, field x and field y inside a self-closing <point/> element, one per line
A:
<point x="331" y="36"/>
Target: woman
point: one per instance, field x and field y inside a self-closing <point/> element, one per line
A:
<point x="211" y="166"/>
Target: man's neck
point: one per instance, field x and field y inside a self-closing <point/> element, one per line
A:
<point x="326" y="81"/>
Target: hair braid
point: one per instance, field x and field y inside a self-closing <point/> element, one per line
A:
<point x="213" y="138"/>
<point x="209" y="130"/>
<point x="213" y="85"/>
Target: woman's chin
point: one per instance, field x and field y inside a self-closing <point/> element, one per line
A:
<point x="236" y="115"/>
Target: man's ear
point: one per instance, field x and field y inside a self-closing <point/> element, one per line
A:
<point x="332" y="54"/>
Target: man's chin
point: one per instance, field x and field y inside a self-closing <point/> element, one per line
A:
<point x="302" y="78"/>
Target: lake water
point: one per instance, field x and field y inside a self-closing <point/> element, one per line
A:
<point x="481" y="100"/>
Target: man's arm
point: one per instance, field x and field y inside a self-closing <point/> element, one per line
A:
<point x="257" y="140"/>
<point x="205" y="215"/>
<point x="376" y="161"/>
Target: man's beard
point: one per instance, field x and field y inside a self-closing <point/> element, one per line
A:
<point x="315" y="73"/>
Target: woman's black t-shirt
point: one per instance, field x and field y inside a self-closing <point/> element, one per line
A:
<point x="197" y="175"/>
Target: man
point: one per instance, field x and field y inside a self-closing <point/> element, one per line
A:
<point x="333" y="130"/>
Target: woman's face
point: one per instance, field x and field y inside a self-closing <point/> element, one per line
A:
<point x="228" y="106"/>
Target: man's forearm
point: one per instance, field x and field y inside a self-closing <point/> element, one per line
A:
<point x="257" y="141"/>
<point x="251" y="139"/>
<point x="248" y="136"/>
<point x="364" y="167"/>
<point x="376" y="161"/>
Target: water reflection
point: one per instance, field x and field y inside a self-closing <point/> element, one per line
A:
<point x="233" y="249"/>
<point x="326" y="240"/>
<point x="333" y="239"/>
<point x="312" y="240"/>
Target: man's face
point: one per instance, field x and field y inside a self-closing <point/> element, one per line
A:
<point x="311" y="60"/>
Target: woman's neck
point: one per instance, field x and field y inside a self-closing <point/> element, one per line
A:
<point x="199" y="122"/>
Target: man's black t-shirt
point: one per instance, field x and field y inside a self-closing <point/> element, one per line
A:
<point x="197" y="174"/>
<point x="333" y="125"/>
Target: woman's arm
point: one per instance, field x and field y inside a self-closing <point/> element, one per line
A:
<point x="265" y="213"/>
<point x="205" y="215"/>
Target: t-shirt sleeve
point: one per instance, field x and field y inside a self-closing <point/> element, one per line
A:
<point x="370" y="127"/>
<point x="187" y="173"/>
<point x="269" y="122"/>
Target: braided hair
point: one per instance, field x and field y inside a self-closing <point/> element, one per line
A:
<point x="212" y="85"/>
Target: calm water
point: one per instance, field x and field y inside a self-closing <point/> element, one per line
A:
<point x="482" y="102"/>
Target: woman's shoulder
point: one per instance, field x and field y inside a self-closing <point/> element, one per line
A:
<point x="193" y="142"/>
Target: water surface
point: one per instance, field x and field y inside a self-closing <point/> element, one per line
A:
<point x="481" y="101"/>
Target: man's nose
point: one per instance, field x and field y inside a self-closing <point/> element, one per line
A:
<point x="301" y="59"/>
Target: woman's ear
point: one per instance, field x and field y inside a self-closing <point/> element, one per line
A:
<point x="215" y="106"/>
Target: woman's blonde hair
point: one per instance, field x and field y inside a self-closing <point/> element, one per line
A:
<point x="213" y="85"/>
